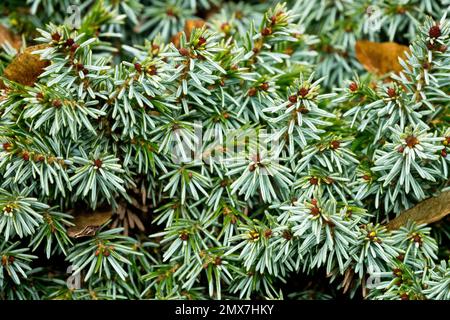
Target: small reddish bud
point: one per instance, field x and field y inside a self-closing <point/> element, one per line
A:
<point x="56" y="36"/>
<point x="26" y="156"/>
<point x="397" y="272"/>
<point x="251" y="92"/>
<point x="314" y="181"/>
<point x="444" y="153"/>
<point x="353" y="86"/>
<point x="184" y="52"/>
<point x="74" y="47"/>
<point x="170" y="12"/>
<point x="303" y="92"/>
<point x="315" y="211"/>
<point x="335" y="144"/>
<point x="11" y="259"/>
<point x="267" y="233"/>
<point x="266" y="32"/>
<point x="366" y="177"/>
<point x="184" y="236"/>
<point x="443" y="48"/>
<point x="411" y="141"/>
<point x="252" y="167"/>
<point x="57" y="103"/>
<point x="400" y="149"/>
<point x="314" y="202"/>
<point x="434" y="32"/>
<point x="287" y="235"/>
<point x="303" y="110"/>
<point x="98" y="163"/>
<point x="201" y="41"/>
<point x="6" y="146"/>
<point x="152" y="70"/>
<point x="293" y="99"/>
<point x="264" y="86"/>
<point x="391" y="92"/>
<point x="69" y="42"/>
<point x="138" y="67"/>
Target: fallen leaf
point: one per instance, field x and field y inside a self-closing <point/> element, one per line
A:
<point x="7" y="36"/>
<point x="188" y="27"/>
<point x="26" y="67"/>
<point x="380" y="57"/>
<point x="86" y="224"/>
<point x="426" y="212"/>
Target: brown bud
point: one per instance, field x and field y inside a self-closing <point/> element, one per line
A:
<point x="391" y="92"/>
<point x="56" y="37"/>
<point x="138" y="67"/>
<point x="287" y="235"/>
<point x="184" y="236"/>
<point x="293" y="99"/>
<point x="411" y="141"/>
<point x="184" y="52"/>
<point x="201" y="41"/>
<point x="74" y="47"/>
<point x="98" y="163"/>
<point x="69" y="42"/>
<point x="251" y="92"/>
<point x="266" y="31"/>
<point x="303" y="92"/>
<point x="335" y="144"/>
<point x="353" y="86"/>
<point x="264" y="86"/>
<point x="6" y="146"/>
<point x="434" y="32"/>
<point x="57" y="103"/>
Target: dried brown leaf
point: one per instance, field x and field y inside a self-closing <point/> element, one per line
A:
<point x="380" y="58"/>
<point x="7" y="36"/>
<point x="86" y="224"/>
<point x="26" y="66"/>
<point x="426" y="212"/>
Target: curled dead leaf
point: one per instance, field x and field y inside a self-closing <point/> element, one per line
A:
<point x="188" y="27"/>
<point x="425" y="212"/>
<point x="7" y="36"/>
<point x="86" y="224"/>
<point x="26" y="66"/>
<point x="380" y="58"/>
